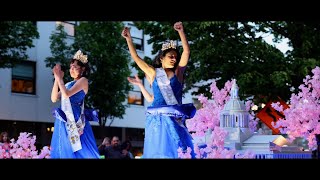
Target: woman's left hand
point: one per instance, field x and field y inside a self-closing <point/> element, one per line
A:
<point x="178" y="26"/>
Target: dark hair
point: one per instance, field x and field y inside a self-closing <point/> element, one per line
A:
<point x="156" y="63"/>
<point x="126" y="145"/>
<point x="86" y="71"/>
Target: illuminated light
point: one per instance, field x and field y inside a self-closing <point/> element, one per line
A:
<point x="52" y="128"/>
<point x="254" y="108"/>
<point x="263" y="105"/>
<point x="281" y="141"/>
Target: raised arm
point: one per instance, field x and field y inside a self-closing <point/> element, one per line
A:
<point x="185" y="45"/>
<point x="140" y="62"/>
<point x="137" y="81"/>
<point x="81" y="84"/>
<point x="55" y="94"/>
<point x="185" y="53"/>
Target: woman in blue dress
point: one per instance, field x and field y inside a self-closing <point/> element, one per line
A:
<point x="73" y="136"/>
<point x="165" y="130"/>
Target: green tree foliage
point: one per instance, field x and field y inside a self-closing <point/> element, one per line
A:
<point x="61" y="51"/>
<point x="15" y="38"/>
<point x="226" y="50"/>
<point x="305" y="42"/>
<point x="109" y="61"/>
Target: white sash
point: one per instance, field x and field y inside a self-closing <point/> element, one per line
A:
<point x="164" y="86"/>
<point x="74" y="129"/>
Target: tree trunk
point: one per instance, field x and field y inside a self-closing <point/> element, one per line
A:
<point x="102" y="126"/>
<point x="102" y="123"/>
<point x="102" y="132"/>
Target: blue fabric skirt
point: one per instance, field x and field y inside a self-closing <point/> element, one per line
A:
<point x="60" y="144"/>
<point x="165" y="131"/>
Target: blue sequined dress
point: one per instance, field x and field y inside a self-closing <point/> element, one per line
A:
<point x="60" y="144"/>
<point x="163" y="133"/>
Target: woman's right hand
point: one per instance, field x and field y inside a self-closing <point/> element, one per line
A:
<point x="57" y="71"/>
<point x="54" y="70"/>
<point x="126" y="33"/>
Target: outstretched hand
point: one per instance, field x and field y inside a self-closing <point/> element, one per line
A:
<point x="136" y="81"/>
<point x="126" y="33"/>
<point x="178" y="26"/>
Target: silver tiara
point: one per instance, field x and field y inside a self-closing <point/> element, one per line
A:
<point x="168" y="45"/>
<point x="80" y="57"/>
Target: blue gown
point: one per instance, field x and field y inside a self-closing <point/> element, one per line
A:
<point x="163" y="134"/>
<point x="60" y="144"/>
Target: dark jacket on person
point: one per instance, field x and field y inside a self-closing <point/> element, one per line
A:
<point x="111" y="152"/>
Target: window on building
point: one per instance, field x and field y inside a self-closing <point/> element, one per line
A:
<point x="138" y="42"/>
<point x="69" y="27"/>
<point x="135" y="96"/>
<point x="23" y="78"/>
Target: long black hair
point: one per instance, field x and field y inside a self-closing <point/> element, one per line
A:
<point x="156" y="63"/>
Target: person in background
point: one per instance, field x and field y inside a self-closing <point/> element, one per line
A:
<point x="115" y="151"/>
<point x="5" y="144"/>
<point x="103" y="146"/>
<point x="126" y="145"/>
